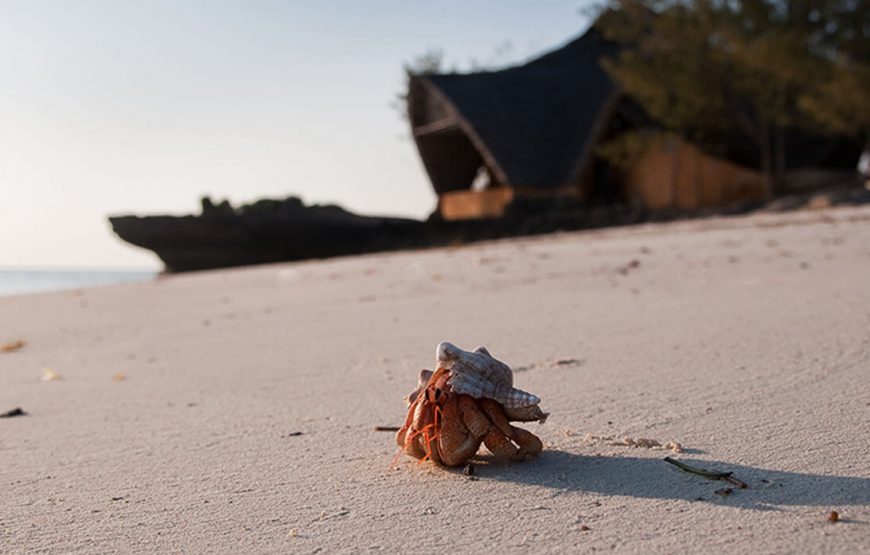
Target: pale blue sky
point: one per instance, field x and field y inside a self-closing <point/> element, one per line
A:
<point x="143" y="106"/>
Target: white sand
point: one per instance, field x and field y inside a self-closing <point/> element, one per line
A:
<point x="747" y="340"/>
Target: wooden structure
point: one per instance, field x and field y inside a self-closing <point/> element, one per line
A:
<point x="532" y="130"/>
<point x="672" y="173"/>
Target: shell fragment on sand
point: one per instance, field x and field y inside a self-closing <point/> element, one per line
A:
<point x="49" y="375"/>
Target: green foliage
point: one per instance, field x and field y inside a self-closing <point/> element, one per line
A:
<point x="708" y="69"/>
<point x="840" y="102"/>
<point x="623" y="150"/>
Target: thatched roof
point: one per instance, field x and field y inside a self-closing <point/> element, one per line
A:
<point x="531" y="126"/>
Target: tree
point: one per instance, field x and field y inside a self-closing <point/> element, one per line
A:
<point x="427" y="63"/>
<point x="718" y="70"/>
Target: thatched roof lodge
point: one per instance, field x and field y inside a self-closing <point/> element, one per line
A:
<point x="531" y="131"/>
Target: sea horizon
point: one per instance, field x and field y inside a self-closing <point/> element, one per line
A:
<point x="26" y="280"/>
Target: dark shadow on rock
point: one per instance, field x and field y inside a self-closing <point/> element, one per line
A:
<point x="653" y="478"/>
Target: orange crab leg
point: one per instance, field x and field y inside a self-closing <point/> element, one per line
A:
<point x="401" y="435"/>
<point x="433" y="442"/>
<point x="427" y="439"/>
<point x="501" y="439"/>
<point x="424" y="431"/>
<point x="420" y="437"/>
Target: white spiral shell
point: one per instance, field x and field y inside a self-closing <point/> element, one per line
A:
<point x="478" y="374"/>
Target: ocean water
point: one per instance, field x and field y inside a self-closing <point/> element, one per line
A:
<point x="17" y="282"/>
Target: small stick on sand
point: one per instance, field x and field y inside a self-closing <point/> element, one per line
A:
<point x="386" y="428"/>
<point x="727" y="476"/>
<point x="739" y="483"/>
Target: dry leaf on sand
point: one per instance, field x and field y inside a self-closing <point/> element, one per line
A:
<point x="12" y="346"/>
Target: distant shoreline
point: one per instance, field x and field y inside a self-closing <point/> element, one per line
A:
<point x="23" y="281"/>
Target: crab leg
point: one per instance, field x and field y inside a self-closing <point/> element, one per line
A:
<point x="456" y="444"/>
<point x="409" y="419"/>
<point x="416" y="435"/>
<point x="499" y="439"/>
<point x="496" y="415"/>
<point x="476" y="421"/>
<point x="529" y="443"/>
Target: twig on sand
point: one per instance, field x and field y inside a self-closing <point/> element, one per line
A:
<point x="726" y="476"/>
<point x="386" y="428"/>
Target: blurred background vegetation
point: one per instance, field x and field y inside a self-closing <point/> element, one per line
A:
<point x="720" y="72"/>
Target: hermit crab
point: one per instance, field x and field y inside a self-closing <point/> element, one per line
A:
<point x="469" y="399"/>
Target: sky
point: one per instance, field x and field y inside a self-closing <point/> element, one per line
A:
<point x="142" y="107"/>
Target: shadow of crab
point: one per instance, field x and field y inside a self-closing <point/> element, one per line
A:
<point x="652" y="478"/>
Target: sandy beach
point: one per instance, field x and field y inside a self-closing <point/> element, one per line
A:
<point x="234" y="411"/>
